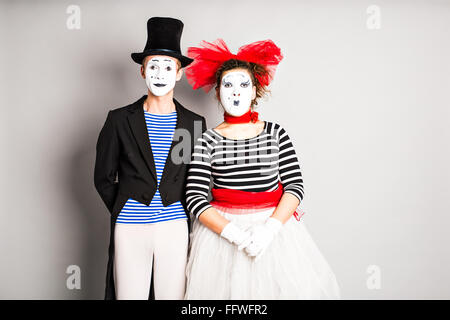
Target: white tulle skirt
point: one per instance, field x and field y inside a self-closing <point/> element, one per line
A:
<point x="292" y="267"/>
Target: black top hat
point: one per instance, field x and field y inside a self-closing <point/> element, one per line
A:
<point x="163" y="38"/>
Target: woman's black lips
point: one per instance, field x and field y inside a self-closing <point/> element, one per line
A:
<point x="236" y="102"/>
<point x="160" y="85"/>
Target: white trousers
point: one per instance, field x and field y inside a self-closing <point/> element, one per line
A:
<point x="138" y="247"/>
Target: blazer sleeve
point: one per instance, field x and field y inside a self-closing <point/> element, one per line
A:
<point x="106" y="163"/>
<point x="203" y="124"/>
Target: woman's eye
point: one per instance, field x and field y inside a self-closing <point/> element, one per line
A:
<point x="245" y="84"/>
<point x="227" y="85"/>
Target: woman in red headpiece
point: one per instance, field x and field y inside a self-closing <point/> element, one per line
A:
<point x="248" y="242"/>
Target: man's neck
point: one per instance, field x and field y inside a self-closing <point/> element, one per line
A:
<point x="163" y="104"/>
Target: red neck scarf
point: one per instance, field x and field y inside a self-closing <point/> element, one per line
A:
<point x="246" y="117"/>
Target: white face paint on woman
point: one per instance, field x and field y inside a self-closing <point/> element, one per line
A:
<point x="160" y="75"/>
<point x="237" y="92"/>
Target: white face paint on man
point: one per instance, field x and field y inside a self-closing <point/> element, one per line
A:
<point x="236" y="92"/>
<point x="160" y="75"/>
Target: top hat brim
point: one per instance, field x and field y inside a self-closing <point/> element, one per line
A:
<point x="138" y="57"/>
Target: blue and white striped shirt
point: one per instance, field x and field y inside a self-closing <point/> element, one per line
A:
<point x="161" y="128"/>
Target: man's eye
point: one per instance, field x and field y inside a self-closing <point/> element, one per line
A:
<point x="152" y="67"/>
<point x="169" y="69"/>
<point x="245" y="84"/>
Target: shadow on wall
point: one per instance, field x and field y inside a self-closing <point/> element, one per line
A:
<point x="106" y="86"/>
<point x="109" y="84"/>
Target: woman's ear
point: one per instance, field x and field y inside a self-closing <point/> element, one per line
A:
<point x="254" y="93"/>
<point x="218" y="93"/>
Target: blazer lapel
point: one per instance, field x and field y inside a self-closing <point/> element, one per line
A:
<point x="138" y="126"/>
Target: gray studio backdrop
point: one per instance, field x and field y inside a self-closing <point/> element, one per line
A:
<point x="362" y="91"/>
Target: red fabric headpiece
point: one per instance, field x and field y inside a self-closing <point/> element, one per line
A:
<point x="210" y="56"/>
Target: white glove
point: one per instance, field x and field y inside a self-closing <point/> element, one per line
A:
<point x="235" y="235"/>
<point x="262" y="236"/>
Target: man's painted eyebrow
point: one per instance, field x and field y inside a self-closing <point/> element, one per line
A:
<point x="168" y="60"/>
<point x="155" y="59"/>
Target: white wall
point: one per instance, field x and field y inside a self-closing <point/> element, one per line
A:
<point x="368" y="111"/>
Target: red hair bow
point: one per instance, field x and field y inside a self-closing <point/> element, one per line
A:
<point x="211" y="55"/>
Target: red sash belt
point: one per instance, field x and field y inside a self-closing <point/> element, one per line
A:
<point x="231" y="198"/>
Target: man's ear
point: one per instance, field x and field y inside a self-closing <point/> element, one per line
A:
<point x="142" y="71"/>
<point x="179" y="74"/>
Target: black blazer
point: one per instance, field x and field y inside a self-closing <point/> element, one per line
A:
<point x="123" y="149"/>
<point x="125" y="168"/>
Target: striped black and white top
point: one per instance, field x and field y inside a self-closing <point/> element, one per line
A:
<point x="161" y="128"/>
<point x="254" y="164"/>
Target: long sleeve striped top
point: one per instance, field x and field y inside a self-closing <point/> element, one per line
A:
<point x="161" y="128"/>
<point x="254" y="164"/>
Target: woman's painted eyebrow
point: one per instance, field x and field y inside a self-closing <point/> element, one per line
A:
<point x="238" y="74"/>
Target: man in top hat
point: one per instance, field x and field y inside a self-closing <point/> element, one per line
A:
<point x="140" y="174"/>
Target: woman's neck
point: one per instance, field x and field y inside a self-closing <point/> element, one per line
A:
<point x="240" y="130"/>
